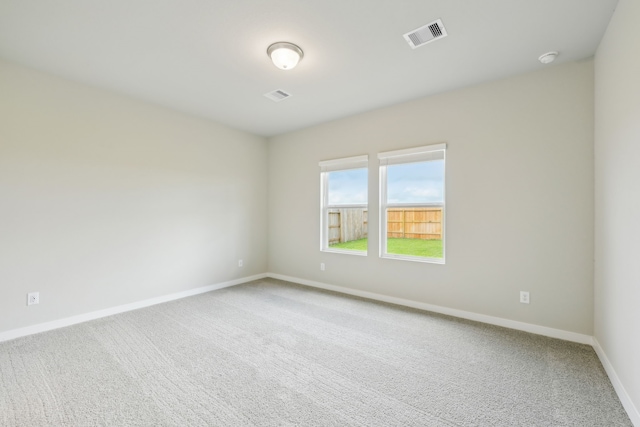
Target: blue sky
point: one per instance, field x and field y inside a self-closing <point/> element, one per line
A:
<point x="348" y="187"/>
<point x="407" y="183"/>
<point x="416" y="182"/>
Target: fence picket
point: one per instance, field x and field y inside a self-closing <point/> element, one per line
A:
<point x="346" y="224"/>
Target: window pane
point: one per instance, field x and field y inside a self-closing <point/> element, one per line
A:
<point x="421" y="182"/>
<point x="415" y="231"/>
<point x="415" y="209"/>
<point x="347" y="213"/>
<point x="348" y="187"/>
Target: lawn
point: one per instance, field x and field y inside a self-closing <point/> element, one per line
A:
<point x="415" y="247"/>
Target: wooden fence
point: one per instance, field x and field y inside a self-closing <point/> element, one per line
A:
<point x="347" y="224"/>
<point x="415" y="223"/>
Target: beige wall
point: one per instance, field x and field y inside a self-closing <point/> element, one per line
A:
<point x="105" y="200"/>
<point x="519" y="198"/>
<point x="617" y="270"/>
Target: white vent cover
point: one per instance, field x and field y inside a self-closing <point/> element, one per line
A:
<point x="426" y="34"/>
<point x="277" y="95"/>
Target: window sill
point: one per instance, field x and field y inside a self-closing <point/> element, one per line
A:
<point x="414" y="258"/>
<point x="345" y="251"/>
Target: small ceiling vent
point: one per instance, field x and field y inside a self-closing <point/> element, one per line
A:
<point x="277" y="95"/>
<point x="426" y="34"/>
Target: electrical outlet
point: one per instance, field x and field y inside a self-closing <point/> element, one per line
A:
<point x="240" y="263"/>
<point x="524" y="297"/>
<point x="33" y="298"/>
<point x="322" y="266"/>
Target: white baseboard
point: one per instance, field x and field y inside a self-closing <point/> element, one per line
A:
<point x="626" y="401"/>
<point x="498" y="321"/>
<point x="68" y="321"/>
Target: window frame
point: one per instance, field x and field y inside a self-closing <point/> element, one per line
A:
<point x="336" y="165"/>
<point x="398" y="157"/>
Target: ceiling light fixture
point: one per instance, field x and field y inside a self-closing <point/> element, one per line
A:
<point x="548" y="57"/>
<point x="285" y="55"/>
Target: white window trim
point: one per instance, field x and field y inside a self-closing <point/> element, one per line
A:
<point x="346" y="163"/>
<point x="409" y="155"/>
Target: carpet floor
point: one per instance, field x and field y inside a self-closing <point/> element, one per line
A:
<point x="270" y="353"/>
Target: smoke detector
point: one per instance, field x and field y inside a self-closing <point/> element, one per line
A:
<point x="548" y="57"/>
<point x="426" y="34"/>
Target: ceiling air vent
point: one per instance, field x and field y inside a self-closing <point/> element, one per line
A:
<point x="426" y="34"/>
<point x="277" y="95"/>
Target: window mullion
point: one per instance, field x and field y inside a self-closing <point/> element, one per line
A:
<point x="324" y="212"/>
<point x="383" y="211"/>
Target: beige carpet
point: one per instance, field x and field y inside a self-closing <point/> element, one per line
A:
<point x="269" y="353"/>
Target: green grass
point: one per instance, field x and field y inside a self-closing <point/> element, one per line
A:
<point x="414" y="247"/>
<point x="353" y="245"/>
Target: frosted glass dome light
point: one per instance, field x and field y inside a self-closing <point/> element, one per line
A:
<point x="285" y="55"/>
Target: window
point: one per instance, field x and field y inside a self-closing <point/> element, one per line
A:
<point x="412" y="194"/>
<point x="344" y="209"/>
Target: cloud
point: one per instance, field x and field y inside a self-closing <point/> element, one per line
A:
<point x="421" y="182"/>
<point x="348" y="187"/>
<point x="416" y="182"/>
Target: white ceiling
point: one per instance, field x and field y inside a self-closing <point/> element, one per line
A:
<point x="208" y="57"/>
